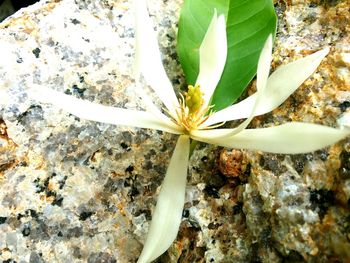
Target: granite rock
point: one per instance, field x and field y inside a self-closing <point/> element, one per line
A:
<point x="78" y="191"/>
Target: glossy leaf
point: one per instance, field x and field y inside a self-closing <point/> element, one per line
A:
<point x="193" y="24"/>
<point x="248" y="25"/>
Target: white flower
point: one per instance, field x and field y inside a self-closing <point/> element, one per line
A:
<point x="190" y="116"/>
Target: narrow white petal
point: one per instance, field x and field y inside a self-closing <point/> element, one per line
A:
<point x="100" y="113"/>
<point x="151" y="108"/>
<point x="280" y="85"/>
<point x="237" y="111"/>
<point x="264" y="62"/>
<point x="148" y="58"/>
<point x="211" y="134"/>
<point x="167" y="215"/>
<point x="212" y="56"/>
<point x="289" y="138"/>
<point x="262" y="75"/>
<point x="287" y="78"/>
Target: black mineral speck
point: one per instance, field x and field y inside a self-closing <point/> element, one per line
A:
<point x="58" y="200"/>
<point x="133" y="192"/>
<point x="345" y="164"/>
<point x="323" y="154"/>
<point x="299" y="162"/>
<point x="204" y="159"/>
<point x="19" y="216"/>
<point x="129" y="169"/>
<point x="33" y="112"/>
<point x="62" y="182"/>
<point x="85" y="215"/>
<point x="238" y="208"/>
<point x="211" y="191"/>
<point x="32" y="213"/>
<point x="217" y="180"/>
<point x="26" y="230"/>
<point x="148" y="165"/>
<point x="254" y="253"/>
<point x="124" y="145"/>
<point x="147" y="213"/>
<point x="164" y="148"/>
<point x="36" y="52"/>
<point x="185" y="213"/>
<point x="78" y="91"/>
<point x="2" y="220"/>
<point x="344" y="105"/>
<point x="293" y="256"/>
<point x="19" y="60"/>
<point x="75" y="21"/>
<point x="23" y="164"/>
<point x="321" y="200"/>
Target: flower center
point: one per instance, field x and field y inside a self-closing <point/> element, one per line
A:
<point x="192" y="111"/>
<point x="194" y="98"/>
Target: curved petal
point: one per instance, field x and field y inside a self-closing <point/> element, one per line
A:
<point x="280" y="85"/>
<point x="148" y="58"/>
<point x="167" y="215"/>
<point x="212" y="56"/>
<point x="100" y="113"/>
<point x="151" y="108"/>
<point x="262" y="75"/>
<point x="289" y="138"/>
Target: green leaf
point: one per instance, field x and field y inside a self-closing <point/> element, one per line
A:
<point x="248" y="23"/>
<point x="194" y="20"/>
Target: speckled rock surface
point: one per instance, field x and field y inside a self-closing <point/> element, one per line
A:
<point x="78" y="191"/>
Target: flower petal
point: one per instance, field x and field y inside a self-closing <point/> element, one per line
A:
<point x="212" y="56"/>
<point x="280" y="85"/>
<point x="167" y="215"/>
<point x="289" y="138"/>
<point x="148" y="58"/>
<point x="262" y="75"/>
<point x="151" y="108"/>
<point x="100" y="113"/>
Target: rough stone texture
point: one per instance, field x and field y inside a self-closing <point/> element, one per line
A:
<point x="78" y="191"/>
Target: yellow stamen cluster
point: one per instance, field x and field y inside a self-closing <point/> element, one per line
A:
<point x="192" y="112"/>
<point x="194" y="98"/>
